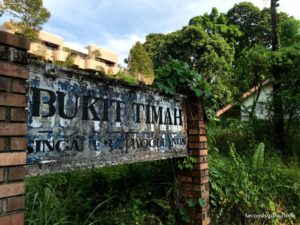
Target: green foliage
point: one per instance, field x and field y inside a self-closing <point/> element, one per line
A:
<point x="289" y="32"/>
<point x="184" y="215"/>
<point x="190" y="206"/>
<point x="177" y="77"/>
<point x="122" y="75"/>
<point x="252" y="68"/>
<point x="245" y="135"/>
<point x="28" y="16"/>
<point x="187" y="163"/>
<point x="217" y="24"/>
<point x="154" y="45"/>
<point x="139" y="61"/>
<point x="286" y="61"/>
<point x="127" y="194"/>
<point x="206" y="53"/>
<point x="93" y="212"/>
<point x="258" y="157"/>
<point x="254" y="24"/>
<point x="202" y="202"/>
<point x="255" y="181"/>
<point x="46" y="208"/>
<point x="248" y="18"/>
<point x="237" y="188"/>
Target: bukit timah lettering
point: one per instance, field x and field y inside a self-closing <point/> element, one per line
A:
<point x="77" y="120"/>
<point x="92" y="106"/>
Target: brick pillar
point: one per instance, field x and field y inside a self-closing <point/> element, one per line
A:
<point x="13" y="127"/>
<point x="195" y="183"/>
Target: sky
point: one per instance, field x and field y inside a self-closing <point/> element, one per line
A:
<point x="116" y="25"/>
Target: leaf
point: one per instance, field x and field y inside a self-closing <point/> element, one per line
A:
<point x="186" y="218"/>
<point x="163" y="204"/>
<point x="272" y="206"/>
<point x="191" y="203"/>
<point x="182" y="211"/>
<point x="258" y="157"/>
<point x="213" y="202"/>
<point x="202" y="202"/>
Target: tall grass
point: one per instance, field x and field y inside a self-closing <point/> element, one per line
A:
<point x="253" y="185"/>
<point x="46" y="209"/>
<point x="127" y="194"/>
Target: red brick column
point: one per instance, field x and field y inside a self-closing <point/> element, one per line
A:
<point x="195" y="183"/>
<point x="13" y="127"/>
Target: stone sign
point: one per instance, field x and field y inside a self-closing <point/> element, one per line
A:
<point x="77" y="121"/>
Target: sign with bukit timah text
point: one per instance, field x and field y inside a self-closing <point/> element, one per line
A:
<point x="80" y="122"/>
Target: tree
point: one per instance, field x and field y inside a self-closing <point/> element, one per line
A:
<point x="231" y="51"/>
<point x="154" y="46"/>
<point x="1" y="9"/>
<point x="252" y="68"/>
<point x="27" y="16"/>
<point x="139" y="61"/>
<point x="286" y="61"/>
<point x="288" y="31"/>
<point x="255" y="25"/>
<point x="206" y="53"/>
<point x="247" y="17"/>
<point x="215" y="23"/>
<point x="277" y="98"/>
<point x="266" y="28"/>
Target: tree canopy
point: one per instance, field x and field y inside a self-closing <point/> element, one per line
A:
<point x="215" y="23"/>
<point x="206" y="53"/>
<point x="139" y="61"/>
<point x="232" y="52"/>
<point x="27" y="16"/>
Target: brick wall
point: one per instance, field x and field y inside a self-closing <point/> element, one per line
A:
<point x="13" y="127"/>
<point x="195" y="183"/>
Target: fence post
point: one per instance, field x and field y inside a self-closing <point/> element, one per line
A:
<point x="195" y="183"/>
<point x="13" y="127"/>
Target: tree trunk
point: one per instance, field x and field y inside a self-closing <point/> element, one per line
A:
<point x="277" y="100"/>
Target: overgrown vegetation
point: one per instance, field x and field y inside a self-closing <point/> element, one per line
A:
<point x="148" y="193"/>
<point x="122" y="75"/>
<point x="26" y="16"/>
<point x="141" y="193"/>
<point x="251" y="179"/>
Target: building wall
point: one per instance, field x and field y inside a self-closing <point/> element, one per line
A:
<point x="52" y="48"/>
<point x="264" y="99"/>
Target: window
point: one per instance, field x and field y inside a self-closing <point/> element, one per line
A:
<point x="106" y="62"/>
<point x="51" y="46"/>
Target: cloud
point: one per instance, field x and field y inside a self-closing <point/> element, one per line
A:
<point x="121" y="45"/>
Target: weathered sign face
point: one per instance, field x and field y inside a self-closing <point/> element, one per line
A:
<point x="85" y="123"/>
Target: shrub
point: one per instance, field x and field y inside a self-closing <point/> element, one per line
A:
<point x="125" y="194"/>
<point x="245" y="136"/>
<point x="250" y="185"/>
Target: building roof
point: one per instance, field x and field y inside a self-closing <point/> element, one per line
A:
<point x="245" y="95"/>
<point x="76" y="48"/>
